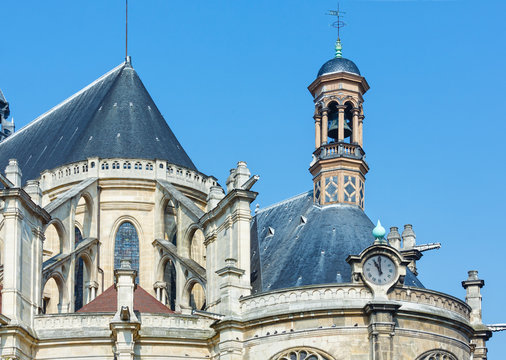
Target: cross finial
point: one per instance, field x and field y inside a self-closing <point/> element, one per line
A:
<point x="338" y="25"/>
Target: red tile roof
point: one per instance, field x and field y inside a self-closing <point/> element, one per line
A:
<point x="143" y="302"/>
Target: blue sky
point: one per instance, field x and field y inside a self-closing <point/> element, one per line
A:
<point x="231" y="77"/>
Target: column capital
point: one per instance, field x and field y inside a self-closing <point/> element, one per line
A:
<point x="160" y="285"/>
<point x="92" y="284"/>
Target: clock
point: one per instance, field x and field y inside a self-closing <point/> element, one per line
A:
<point x="380" y="269"/>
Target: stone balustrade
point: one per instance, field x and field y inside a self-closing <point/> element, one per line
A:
<point x="67" y="325"/>
<point x="431" y="298"/>
<point x="343" y="296"/>
<point x="339" y="149"/>
<point x="126" y="168"/>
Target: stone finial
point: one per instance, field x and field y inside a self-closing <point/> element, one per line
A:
<point x="242" y="174"/>
<point x="408" y="237"/>
<point x="231" y="181"/>
<point x="215" y="195"/>
<point x="33" y="189"/>
<point x="473" y="287"/>
<point x="13" y="173"/>
<point x="394" y="238"/>
<point x="379" y="233"/>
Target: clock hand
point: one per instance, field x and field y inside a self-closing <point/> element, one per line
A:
<point x="376" y="265"/>
<point x="379" y="264"/>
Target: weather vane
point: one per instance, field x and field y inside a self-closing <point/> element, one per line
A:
<point x="338" y="25"/>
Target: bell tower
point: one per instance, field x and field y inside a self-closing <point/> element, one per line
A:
<point x="338" y="165"/>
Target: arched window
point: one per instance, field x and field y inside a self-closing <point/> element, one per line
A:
<point x="302" y="353"/>
<point x="126" y="246"/>
<point x="169" y="277"/>
<point x="437" y="355"/>
<point x="78" y="275"/>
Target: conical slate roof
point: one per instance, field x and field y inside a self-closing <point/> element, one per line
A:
<point x="112" y="117"/>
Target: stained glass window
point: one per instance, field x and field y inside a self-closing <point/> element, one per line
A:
<point x="169" y="276"/>
<point x="302" y="354"/>
<point x="78" y="275"/>
<point x="126" y="246"/>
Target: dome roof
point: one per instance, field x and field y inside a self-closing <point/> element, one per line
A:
<point x="296" y="243"/>
<point x="338" y="65"/>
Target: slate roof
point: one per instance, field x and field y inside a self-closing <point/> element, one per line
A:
<point x="143" y="302"/>
<point x="296" y="243"/>
<point x="112" y="117"/>
<point x="338" y="65"/>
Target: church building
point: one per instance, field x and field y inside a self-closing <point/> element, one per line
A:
<point x="113" y="245"/>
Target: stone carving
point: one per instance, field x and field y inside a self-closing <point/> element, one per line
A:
<point x="302" y="354"/>
<point x="437" y="355"/>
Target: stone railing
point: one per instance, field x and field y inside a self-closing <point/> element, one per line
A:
<point x="431" y="298"/>
<point x="126" y="168"/>
<point x="342" y="296"/>
<point x="333" y="150"/>
<point x="306" y="298"/>
<point x="175" y="321"/>
<point x="62" y="323"/>
<point x="68" y="325"/>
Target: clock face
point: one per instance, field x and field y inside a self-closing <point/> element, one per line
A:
<point x="380" y="269"/>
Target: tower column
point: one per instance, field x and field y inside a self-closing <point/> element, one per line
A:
<point x="360" y="130"/>
<point x="317" y="132"/>
<point x="325" y="126"/>
<point x="355" y="130"/>
<point x="340" y="132"/>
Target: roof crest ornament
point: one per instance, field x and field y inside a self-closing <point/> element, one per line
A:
<point x="338" y="25"/>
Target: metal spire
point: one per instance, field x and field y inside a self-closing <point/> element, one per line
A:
<point x="338" y="25"/>
<point x="126" y="30"/>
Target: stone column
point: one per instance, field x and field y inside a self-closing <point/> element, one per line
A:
<point x="317" y="130"/>
<point x="92" y="287"/>
<point x="381" y="328"/>
<point x="355" y="130"/>
<point x="38" y="238"/>
<point x="473" y="287"/>
<point x="161" y="291"/>
<point x="361" y="130"/>
<point x="11" y="293"/>
<point x="125" y="325"/>
<point x="325" y="126"/>
<point x="340" y="132"/>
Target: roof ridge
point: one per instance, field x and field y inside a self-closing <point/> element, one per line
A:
<point x="64" y="102"/>
<point x="293" y="198"/>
